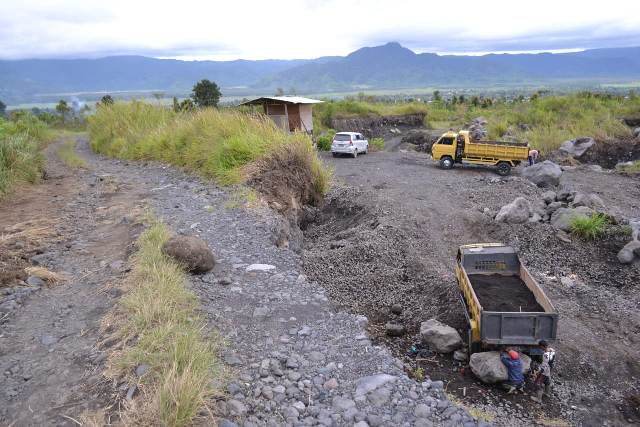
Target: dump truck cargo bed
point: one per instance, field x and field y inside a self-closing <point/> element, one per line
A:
<point x="503" y="303"/>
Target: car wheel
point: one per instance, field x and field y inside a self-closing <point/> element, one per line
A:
<point x="355" y="153"/>
<point x="366" y="150"/>
<point x="446" y="163"/>
<point x="504" y="168"/>
<point x="334" y="154"/>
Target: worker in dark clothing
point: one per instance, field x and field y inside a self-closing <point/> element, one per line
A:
<point x="542" y="380"/>
<point x="511" y="359"/>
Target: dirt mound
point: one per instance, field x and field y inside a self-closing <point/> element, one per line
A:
<point x="606" y="153"/>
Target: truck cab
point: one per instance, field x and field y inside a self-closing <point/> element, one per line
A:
<point x="458" y="147"/>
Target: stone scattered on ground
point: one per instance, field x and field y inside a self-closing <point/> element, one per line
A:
<point x="488" y="367"/>
<point x="576" y="148"/>
<point x="629" y="252"/>
<point x="190" y="251"/>
<point x="516" y="212"/>
<point x="545" y="174"/>
<point x="440" y="337"/>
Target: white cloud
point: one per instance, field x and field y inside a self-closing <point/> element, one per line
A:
<point x="256" y="29"/>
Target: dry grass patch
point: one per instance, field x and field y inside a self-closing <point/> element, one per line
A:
<point x="161" y="327"/>
<point x="49" y="277"/>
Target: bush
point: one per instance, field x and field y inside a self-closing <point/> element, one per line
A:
<point x="589" y="227"/>
<point x="221" y="144"/>
<point x="21" y="144"/>
<point x="324" y="141"/>
<point x="376" y="144"/>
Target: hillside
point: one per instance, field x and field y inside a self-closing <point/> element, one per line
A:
<point x="383" y="67"/>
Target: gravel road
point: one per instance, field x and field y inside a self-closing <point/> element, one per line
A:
<point x="389" y="233"/>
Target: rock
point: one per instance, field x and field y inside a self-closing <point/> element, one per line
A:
<point x="628" y="253"/>
<point x="596" y="201"/>
<point x="367" y="384"/>
<point x="236" y="407"/>
<point x="379" y="397"/>
<point x="549" y="196"/>
<point x="460" y="355"/>
<point x="396" y="309"/>
<point x="516" y="212"/>
<point x="142" y="369"/>
<point x="340" y="404"/>
<point x="488" y="367"/>
<point x="563" y="236"/>
<point x="636" y="132"/>
<point x="545" y="174"/>
<point x="330" y="384"/>
<point x="561" y="218"/>
<point x="422" y="411"/>
<point x="261" y="267"/>
<point x="48" y="340"/>
<point x="635" y="228"/>
<point x="577" y="147"/>
<point x="226" y="423"/>
<point x="361" y="424"/>
<point x="190" y="251"/>
<point x="440" y="337"/>
<point x="554" y="206"/>
<point x="35" y="281"/>
<point x="580" y="199"/>
<point x="131" y="392"/>
<point x="393" y="329"/>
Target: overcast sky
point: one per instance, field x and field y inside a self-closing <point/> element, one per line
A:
<point x="259" y="29"/>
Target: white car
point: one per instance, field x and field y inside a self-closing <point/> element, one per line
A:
<point x="352" y="143"/>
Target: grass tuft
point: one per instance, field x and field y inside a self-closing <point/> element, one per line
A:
<point x="67" y="153"/>
<point x="589" y="227"/>
<point x="376" y="144"/>
<point x="164" y="329"/>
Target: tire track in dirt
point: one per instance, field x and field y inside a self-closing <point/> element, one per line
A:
<point x="51" y="368"/>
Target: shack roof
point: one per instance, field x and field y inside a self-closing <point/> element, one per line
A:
<point x="283" y="99"/>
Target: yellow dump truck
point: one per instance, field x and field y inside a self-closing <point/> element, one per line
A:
<point x="503" y="303"/>
<point x="458" y="147"/>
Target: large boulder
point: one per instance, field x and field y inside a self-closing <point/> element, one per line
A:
<point x="577" y="147"/>
<point x="562" y="217"/>
<point x="440" y="337"/>
<point x="477" y="129"/>
<point x="545" y="174"/>
<point x="190" y="251"/>
<point x="516" y="212"/>
<point x="488" y="367"/>
<point x="629" y="252"/>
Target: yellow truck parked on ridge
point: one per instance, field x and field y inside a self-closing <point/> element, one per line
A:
<point x="458" y="147"/>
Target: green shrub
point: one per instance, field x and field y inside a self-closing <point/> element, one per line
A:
<point x="589" y="227"/>
<point x="220" y="144"/>
<point x="324" y="141"/>
<point x="376" y="144"/>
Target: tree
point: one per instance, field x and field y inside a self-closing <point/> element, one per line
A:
<point x="63" y="108"/>
<point x="187" y="105"/>
<point x="106" y="100"/>
<point x="3" y="108"/>
<point x="279" y="92"/>
<point x="206" y="94"/>
<point x="475" y="101"/>
<point x="436" y="96"/>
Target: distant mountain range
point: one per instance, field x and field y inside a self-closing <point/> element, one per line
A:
<point x="390" y="66"/>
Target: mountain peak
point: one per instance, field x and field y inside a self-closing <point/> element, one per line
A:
<point x="393" y="49"/>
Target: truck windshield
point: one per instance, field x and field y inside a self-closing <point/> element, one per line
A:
<point x="342" y="137"/>
<point x="447" y="141"/>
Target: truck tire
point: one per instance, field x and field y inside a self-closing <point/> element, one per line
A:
<point x="504" y="168"/>
<point x="446" y="162"/>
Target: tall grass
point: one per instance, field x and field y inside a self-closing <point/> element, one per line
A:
<point x="21" y="158"/>
<point x="218" y="144"/>
<point x="165" y="331"/>
<point x="589" y="227"/>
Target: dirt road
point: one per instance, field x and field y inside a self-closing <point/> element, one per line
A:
<point x="389" y="234"/>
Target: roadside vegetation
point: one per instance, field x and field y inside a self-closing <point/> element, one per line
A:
<point x="21" y="142"/>
<point x="164" y="330"/>
<point x="228" y="146"/>
<point x="545" y="121"/>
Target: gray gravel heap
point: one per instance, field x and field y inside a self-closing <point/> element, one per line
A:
<point x="295" y="360"/>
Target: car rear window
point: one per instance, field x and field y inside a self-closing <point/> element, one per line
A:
<point x="343" y="137"/>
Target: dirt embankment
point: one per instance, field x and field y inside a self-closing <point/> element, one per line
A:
<point x="378" y="126"/>
<point x="389" y="232"/>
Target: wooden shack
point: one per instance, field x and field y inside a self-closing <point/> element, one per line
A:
<point x="291" y="113"/>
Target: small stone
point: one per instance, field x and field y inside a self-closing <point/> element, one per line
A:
<point x="361" y="424"/>
<point x="35" y="281"/>
<point x="396" y="309"/>
<point x="304" y="331"/>
<point x="131" y="392"/>
<point x="340" y="404"/>
<point x="48" y="340"/>
<point x="422" y="411"/>
<point x="236" y="407"/>
<point x="226" y="423"/>
<point x="330" y="384"/>
<point x="393" y="329"/>
<point x="142" y="369"/>
<point x="260" y="267"/>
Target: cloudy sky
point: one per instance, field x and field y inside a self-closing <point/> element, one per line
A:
<point x="258" y="29"/>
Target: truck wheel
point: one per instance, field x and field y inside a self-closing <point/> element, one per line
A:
<point x="446" y="163"/>
<point x="504" y="168"/>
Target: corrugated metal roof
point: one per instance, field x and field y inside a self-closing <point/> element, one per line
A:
<point x="286" y="99"/>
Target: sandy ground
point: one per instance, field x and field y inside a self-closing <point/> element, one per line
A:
<point x="389" y="233"/>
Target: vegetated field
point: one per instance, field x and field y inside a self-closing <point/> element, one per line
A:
<point x="227" y="145"/>
<point x="543" y="121"/>
<point x="21" y="143"/>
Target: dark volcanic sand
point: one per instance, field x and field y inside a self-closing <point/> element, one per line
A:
<point x="503" y="293"/>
